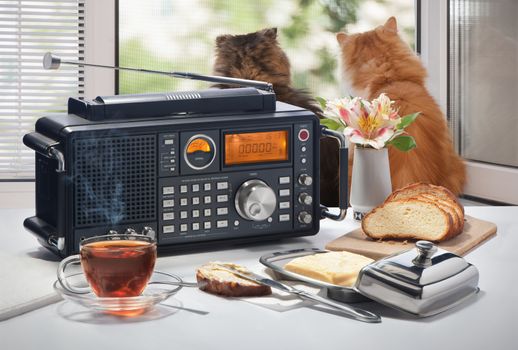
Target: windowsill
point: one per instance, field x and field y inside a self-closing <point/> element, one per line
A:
<point x="16" y="195"/>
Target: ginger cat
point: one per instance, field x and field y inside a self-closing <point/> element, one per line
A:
<point x="258" y="56"/>
<point x="380" y="61"/>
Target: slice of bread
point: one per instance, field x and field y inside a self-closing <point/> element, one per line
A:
<point x="339" y="268"/>
<point x="450" y="208"/>
<point x="409" y="219"/>
<point x="212" y="279"/>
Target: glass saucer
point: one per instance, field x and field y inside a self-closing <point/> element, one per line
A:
<point x="160" y="287"/>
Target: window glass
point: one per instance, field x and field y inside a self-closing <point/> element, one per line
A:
<point x="179" y="36"/>
<point x="484" y="79"/>
<point x="27" y="91"/>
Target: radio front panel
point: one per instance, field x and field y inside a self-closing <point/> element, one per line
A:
<point x="206" y="184"/>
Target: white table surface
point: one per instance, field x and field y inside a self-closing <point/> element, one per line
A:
<point x="487" y="321"/>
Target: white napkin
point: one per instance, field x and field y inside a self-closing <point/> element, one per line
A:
<point x="26" y="284"/>
<point x="279" y="300"/>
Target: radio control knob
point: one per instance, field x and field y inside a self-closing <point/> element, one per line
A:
<point x="305" y="180"/>
<point x="255" y="200"/>
<point x="305" y="217"/>
<point x="305" y="198"/>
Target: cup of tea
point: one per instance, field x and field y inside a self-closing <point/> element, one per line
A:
<point x="114" y="265"/>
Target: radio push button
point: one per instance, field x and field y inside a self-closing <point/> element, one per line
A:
<point x="305" y="217"/>
<point x="168" y="216"/>
<point x="284" y="217"/>
<point x="305" y="198"/>
<point x="305" y="180"/>
<point x="168" y="229"/>
<point x="255" y="200"/>
<point x="303" y="135"/>
<point x="168" y="203"/>
<point x="283" y="180"/>
<point x="284" y="205"/>
<point x="222" y="223"/>
<point x="284" y="192"/>
<point x="222" y="185"/>
<point x="168" y="190"/>
<point x="222" y="198"/>
<point x="222" y="211"/>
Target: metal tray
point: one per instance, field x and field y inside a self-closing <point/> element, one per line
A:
<point x="276" y="261"/>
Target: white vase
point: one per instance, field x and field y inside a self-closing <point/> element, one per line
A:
<point x="370" y="183"/>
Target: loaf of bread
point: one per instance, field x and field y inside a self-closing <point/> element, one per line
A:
<point x="411" y="218"/>
<point x="416" y="211"/>
<point x="212" y="279"/>
<point x="340" y="268"/>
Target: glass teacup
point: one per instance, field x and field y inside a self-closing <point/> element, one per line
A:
<point x="114" y="265"/>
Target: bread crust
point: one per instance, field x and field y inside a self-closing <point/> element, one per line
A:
<point x="422" y="187"/>
<point x="448" y="233"/>
<point x="440" y="192"/>
<point x="208" y="281"/>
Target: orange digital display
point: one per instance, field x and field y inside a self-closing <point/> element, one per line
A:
<point x="256" y="147"/>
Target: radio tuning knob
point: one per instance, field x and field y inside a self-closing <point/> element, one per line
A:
<point x="305" y="180"/>
<point x="305" y="198"/>
<point x="305" y="217"/>
<point x="255" y="200"/>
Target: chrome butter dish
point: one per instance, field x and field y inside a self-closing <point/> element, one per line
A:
<point x="423" y="281"/>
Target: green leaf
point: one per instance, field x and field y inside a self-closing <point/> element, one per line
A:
<point x="407" y="120"/>
<point x="403" y="143"/>
<point x="322" y="102"/>
<point x="331" y="124"/>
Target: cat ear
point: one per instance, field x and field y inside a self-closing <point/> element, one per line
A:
<point x="220" y="39"/>
<point x="391" y="25"/>
<point x="270" y="33"/>
<point x="341" y="37"/>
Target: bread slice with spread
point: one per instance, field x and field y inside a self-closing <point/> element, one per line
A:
<point x="213" y="279"/>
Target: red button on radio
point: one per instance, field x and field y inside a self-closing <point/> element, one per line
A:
<point x="303" y="135"/>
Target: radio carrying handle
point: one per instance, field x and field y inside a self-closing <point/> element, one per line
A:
<point x="343" y="194"/>
<point x="48" y="147"/>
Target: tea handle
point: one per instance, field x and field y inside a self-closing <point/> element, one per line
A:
<point x="74" y="259"/>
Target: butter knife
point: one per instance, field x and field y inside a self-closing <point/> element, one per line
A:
<point x="350" y="311"/>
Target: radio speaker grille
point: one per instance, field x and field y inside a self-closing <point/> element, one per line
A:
<point x="115" y="180"/>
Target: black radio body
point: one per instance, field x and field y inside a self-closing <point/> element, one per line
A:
<point x="237" y="167"/>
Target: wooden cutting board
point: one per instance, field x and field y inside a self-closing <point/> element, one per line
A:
<point x="475" y="232"/>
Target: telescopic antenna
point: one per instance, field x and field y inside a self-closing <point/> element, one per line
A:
<point x="51" y="61"/>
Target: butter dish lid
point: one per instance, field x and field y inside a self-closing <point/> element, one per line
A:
<point x="424" y="281"/>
